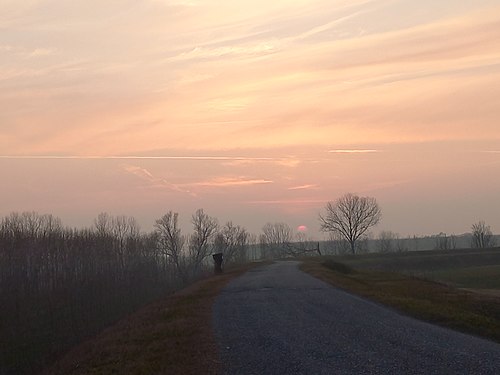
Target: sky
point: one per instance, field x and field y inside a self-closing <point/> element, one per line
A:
<point x="256" y="111"/>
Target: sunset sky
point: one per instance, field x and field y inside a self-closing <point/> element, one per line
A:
<point x="257" y="111"/>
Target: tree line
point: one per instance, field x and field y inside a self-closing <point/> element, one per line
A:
<point x="59" y="285"/>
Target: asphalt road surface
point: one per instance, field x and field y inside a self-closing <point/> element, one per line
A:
<point x="277" y="319"/>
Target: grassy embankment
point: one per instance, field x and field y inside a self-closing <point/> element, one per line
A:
<point x="457" y="289"/>
<point x="170" y="336"/>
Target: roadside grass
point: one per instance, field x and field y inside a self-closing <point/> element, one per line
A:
<point x="482" y="277"/>
<point x="435" y="302"/>
<point x="170" y="336"/>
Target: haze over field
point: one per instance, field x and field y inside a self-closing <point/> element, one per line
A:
<point x="255" y="111"/>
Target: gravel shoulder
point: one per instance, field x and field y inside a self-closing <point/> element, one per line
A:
<point x="277" y="319"/>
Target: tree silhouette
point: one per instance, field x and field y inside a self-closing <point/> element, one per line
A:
<point x="351" y="216"/>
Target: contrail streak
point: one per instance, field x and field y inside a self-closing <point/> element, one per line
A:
<point x="132" y="157"/>
<point x="352" y="151"/>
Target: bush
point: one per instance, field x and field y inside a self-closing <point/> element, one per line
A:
<point x="338" y="267"/>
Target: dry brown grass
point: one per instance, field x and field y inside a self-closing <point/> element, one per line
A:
<point x="171" y="336"/>
<point x="488" y="292"/>
<point x="469" y="312"/>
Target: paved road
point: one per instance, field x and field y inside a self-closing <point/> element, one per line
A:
<point x="278" y="320"/>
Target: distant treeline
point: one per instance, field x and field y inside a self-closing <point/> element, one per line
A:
<point x="390" y="242"/>
<point x="59" y="285"/>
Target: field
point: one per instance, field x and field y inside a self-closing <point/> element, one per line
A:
<point x="469" y="268"/>
<point x="458" y="289"/>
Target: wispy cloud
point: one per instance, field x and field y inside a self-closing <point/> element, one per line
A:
<point x="155" y="182"/>
<point x="23" y="52"/>
<point x="280" y="66"/>
<point x="289" y="162"/>
<point x="140" y="172"/>
<point x="287" y="202"/>
<point x="42" y="52"/>
<point x="353" y="151"/>
<point x="384" y="185"/>
<point x="230" y="182"/>
<point x="200" y="53"/>
<point x="191" y="187"/>
<point x="6" y="48"/>
<point x="187" y="3"/>
<point x="304" y="187"/>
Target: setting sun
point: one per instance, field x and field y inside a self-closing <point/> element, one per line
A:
<point x="302" y="229"/>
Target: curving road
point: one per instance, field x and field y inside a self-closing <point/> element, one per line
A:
<point x="277" y="319"/>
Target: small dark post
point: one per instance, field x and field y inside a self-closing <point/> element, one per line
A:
<point x="318" y="250"/>
<point x="217" y="262"/>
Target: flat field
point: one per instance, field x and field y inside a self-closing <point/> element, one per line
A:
<point x="477" y="269"/>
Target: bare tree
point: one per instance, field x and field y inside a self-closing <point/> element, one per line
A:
<point x="445" y="242"/>
<point x="482" y="237"/>
<point x="205" y="228"/>
<point x="232" y="241"/>
<point x="171" y="241"/>
<point x="119" y="229"/>
<point x="453" y="242"/>
<point x="401" y="244"/>
<point x="416" y="242"/>
<point x="389" y="241"/>
<point x="351" y="216"/>
<point x="121" y="232"/>
<point x="275" y="238"/>
<point x="103" y="223"/>
<point x="386" y="241"/>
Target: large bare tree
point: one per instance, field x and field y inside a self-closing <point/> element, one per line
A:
<point x="351" y="216"/>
